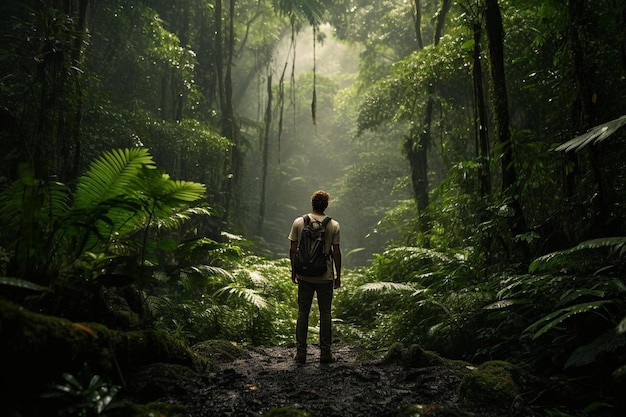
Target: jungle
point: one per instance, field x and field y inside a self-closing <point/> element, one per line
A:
<point x="155" y="153"/>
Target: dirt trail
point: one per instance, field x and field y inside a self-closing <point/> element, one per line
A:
<point x="269" y="378"/>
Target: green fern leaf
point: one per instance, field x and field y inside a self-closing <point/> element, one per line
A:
<point x="21" y="283"/>
<point x="621" y="327"/>
<point x="587" y="354"/>
<point x="386" y="286"/>
<point x="557" y="259"/>
<point x="110" y="176"/>
<point x="594" y="135"/>
<point x="553" y="319"/>
<point x="248" y="294"/>
<point x="502" y="304"/>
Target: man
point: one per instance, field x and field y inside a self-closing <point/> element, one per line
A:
<point x="323" y="285"/>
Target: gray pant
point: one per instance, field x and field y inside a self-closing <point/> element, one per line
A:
<point x="306" y="290"/>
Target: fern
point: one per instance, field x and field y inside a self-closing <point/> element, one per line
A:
<point x="587" y="354"/>
<point x="248" y="294"/>
<point x="21" y="283"/>
<point x="595" y="135"/>
<point x="555" y="318"/>
<point x="386" y="286"/>
<point x="562" y="258"/>
<point x="114" y="174"/>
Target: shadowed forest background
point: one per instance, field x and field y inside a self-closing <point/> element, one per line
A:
<point x="155" y="153"/>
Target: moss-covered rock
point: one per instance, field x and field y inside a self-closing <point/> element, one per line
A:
<point x="414" y="356"/>
<point x="220" y="350"/>
<point x="491" y="385"/>
<point x="36" y="349"/>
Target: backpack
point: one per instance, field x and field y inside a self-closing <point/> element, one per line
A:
<point x="310" y="258"/>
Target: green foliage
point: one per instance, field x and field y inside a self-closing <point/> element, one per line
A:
<point x="416" y="295"/>
<point x="311" y="11"/>
<point x="121" y="198"/>
<point x="595" y="135"/>
<point x="577" y="301"/>
<point x="83" y="395"/>
<point x="21" y="283"/>
<point x="254" y="302"/>
<point x="571" y="259"/>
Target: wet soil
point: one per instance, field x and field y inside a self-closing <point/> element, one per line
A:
<point x="268" y="378"/>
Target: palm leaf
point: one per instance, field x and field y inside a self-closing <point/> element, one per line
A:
<point x="248" y="294"/>
<point x="594" y="135"/>
<point x="310" y="10"/>
<point x="587" y="354"/>
<point x="621" y="328"/>
<point x="21" y="283"/>
<point x="111" y="176"/>
<point x="553" y="319"/>
<point x="503" y="304"/>
<point x="556" y="259"/>
<point x="385" y="286"/>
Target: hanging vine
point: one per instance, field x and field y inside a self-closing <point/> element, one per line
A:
<point x="314" y="100"/>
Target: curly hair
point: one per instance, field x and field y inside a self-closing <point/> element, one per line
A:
<point x="319" y="200"/>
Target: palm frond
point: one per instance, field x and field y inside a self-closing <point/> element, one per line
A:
<point x="247" y="294"/>
<point x="158" y="186"/>
<point x="310" y="10"/>
<point x="111" y="176"/>
<point x="594" y="135"/>
<point x="503" y="304"/>
<point x="21" y="283"/>
<point x="587" y="354"/>
<point x="556" y="259"/>
<point x="553" y="319"/>
<point x="386" y="286"/>
<point x="621" y="327"/>
<point x="208" y="270"/>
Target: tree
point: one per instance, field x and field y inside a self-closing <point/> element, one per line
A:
<point x="495" y="37"/>
<point x="44" y="95"/>
<point x="419" y="139"/>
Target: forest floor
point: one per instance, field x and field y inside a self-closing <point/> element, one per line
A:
<point x="268" y="378"/>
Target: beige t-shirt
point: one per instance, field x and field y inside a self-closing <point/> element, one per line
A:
<point x="331" y="237"/>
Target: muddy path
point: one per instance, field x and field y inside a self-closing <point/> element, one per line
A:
<point x="268" y="378"/>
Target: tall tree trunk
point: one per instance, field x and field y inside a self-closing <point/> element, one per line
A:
<point x="495" y="40"/>
<point x="622" y="24"/>
<point x="56" y="147"/>
<point x="225" y="90"/>
<point x="265" y="154"/>
<point x="417" y="19"/>
<point x="480" y="118"/>
<point x="585" y="109"/>
<point x="417" y="143"/>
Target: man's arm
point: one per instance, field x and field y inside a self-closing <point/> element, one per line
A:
<point x="292" y="257"/>
<point x="337" y="263"/>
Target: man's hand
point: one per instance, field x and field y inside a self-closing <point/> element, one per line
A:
<point x="294" y="278"/>
<point x="336" y="283"/>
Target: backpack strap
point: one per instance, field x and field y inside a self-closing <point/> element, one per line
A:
<point x="324" y="223"/>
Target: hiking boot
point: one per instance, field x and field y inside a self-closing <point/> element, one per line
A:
<point x="327" y="357"/>
<point x="300" y="357"/>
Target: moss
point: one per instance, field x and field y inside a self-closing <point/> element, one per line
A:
<point x="286" y="412"/>
<point x="36" y="349"/>
<point x="491" y="385"/>
<point x="220" y="350"/>
<point x="414" y="356"/>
